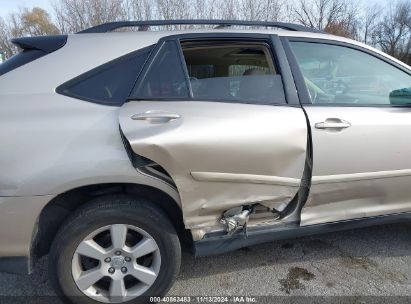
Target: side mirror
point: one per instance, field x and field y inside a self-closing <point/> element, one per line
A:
<point x="401" y="97"/>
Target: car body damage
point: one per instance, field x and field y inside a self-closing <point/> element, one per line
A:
<point x="217" y="139"/>
<point x="221" y="155"/>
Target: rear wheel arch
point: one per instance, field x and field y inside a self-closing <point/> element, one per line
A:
<point x="54" y="214"/>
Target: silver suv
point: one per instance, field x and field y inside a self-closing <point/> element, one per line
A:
<point x="118" y="147"/>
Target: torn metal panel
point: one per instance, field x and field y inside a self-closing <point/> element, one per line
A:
<point x="254" y="153"/>
<point x="236" y="219"/>
<point x="208" y="201"/>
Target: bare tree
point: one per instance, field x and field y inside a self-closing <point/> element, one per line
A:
<point x="263" y="10"/>
<point x="174" y="9"/>
<point x="288" y="11"/>
<point x="139" y="9"/>
<point x="5" y="35"/>
<point x="25" y="22"/>
<point x="346" y="23"/>
<point x="76" y="15"/>
<point x="228" y="9"/>
<point x="393" y="33"/>
<point x="334" y="16"/>
<point x="371" y="19"/>
<point x="34" y="22"/>
<point x="388" y="29"/>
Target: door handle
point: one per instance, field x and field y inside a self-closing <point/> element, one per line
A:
<point x="155" y="117"/>
<point x="333" y="123"/>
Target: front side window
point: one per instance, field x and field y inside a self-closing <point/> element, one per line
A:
<point x="341" y="75"/>
<point x="238" y="72"/>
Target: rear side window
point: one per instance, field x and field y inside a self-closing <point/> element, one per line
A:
<point x="109" y="84"/>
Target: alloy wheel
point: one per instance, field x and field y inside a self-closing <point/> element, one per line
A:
<point x="116" y="263"/>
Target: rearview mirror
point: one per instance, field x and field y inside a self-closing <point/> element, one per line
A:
<point x="401" y="97"/>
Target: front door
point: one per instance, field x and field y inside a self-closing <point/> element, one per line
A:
<point x="213" y="113"/>
<point x="361" y="128"/>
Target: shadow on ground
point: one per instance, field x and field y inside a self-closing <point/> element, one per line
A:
<point x="330" y="264"/>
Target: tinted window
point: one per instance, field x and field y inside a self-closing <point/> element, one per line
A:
<point x="108" y="84"/>
<point x="165" y="78"/>
<point x="233" y="72"/>
<point x="20" y="59"/>
<point x="341" y="75"/>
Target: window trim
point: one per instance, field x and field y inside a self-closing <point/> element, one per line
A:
<point x="299" y="78"/>
<point x="273" y="42"/>
<point x="61" y="89"/>
<point x="185" y="69"/>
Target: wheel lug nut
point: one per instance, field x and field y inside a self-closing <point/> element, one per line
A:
<point x="107" y="260"/>
<point x="128" y="259"/>
<point x="118" y="252"/>
<point x="111" y="270"/>
<point x="123" y="269"/>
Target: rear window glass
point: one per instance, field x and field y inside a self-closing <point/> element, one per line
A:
<point x="20" y="59"/>
<point x="234" y="72"/>
<point x="110" y="83"/>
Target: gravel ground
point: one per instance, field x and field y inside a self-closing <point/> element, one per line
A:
<point x="365" y="262"/>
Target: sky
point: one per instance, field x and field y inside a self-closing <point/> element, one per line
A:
<point x="8" y="6"/>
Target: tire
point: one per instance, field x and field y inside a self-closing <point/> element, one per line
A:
<point x="111" y="214"/>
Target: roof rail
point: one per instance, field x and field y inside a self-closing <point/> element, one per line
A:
<point x="144" y="25"/>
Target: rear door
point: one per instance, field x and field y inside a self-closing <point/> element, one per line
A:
<point x="360" y="117"/>
<point x="214" y="112"/>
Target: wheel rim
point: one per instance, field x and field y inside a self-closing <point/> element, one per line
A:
<point x="116" y="263"/>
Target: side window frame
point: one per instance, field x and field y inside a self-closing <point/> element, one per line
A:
<point x="277" y="53"/>
<point x="61" y="89"/>
<point x="299" y="78"/>
<point x="151" y="60"/>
